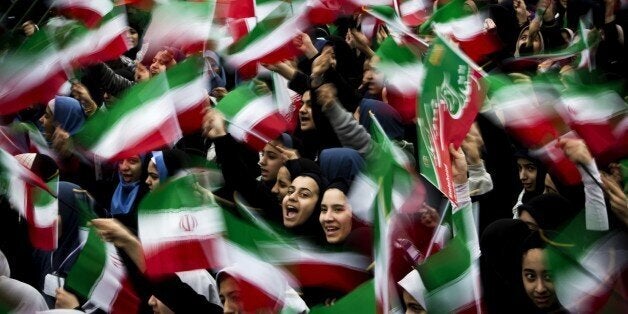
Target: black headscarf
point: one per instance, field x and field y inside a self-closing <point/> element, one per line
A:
<point x="541" y="171"/>
<point x="551" y="211"/>
<point x="500" y="266"/>
<point x="311" y="229"/>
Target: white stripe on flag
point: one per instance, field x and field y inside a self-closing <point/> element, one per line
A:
<point x="280" y="253"/>
<point x="409" y="7"/>
<point x="252" y="113"/>
<point x="106" y="289"/>
<point x="271" y="42"/>
<point x="405" y="77"/>
<point x="101" y="7"/>
<point x="179" y="224"/>
<point x="137" y="124"/>
<point x="98" y="38"/>
<point x="189" y="95"/>
<point x="463" y="291"/>
<point x="465" y="28"/>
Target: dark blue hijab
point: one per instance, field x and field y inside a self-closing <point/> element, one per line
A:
<point x="69" y="113"/>
<point x="387" y="116"/>
<point x="341" y="162"/>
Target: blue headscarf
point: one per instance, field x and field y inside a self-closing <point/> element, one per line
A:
<point x="341" y="162"/>
<point x="69" y="113"/>
<point x="125" y="194"/>
<point x="387" y="116"/>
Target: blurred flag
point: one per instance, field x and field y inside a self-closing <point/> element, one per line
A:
<point x="450" y="99"/>
<point x="403" y="73"/>
<point x="288" y="101"/>
<point x="142" y="120"/>
<point x="90" y="12"/>
<point x="269" y="42"/>
<point x="99" y="275"/>
<point x="252" y="118"/>
<point x="103" y="43"/>
<point x="414" y="12"/>
<point x="188" y="90"/>
<point x="588" y="268"/>
<point x="600" y="117"/>
<point x="527" y="110"/>
<point x="34" y="199"/>
<point x="32" y="74"/>
<point x="235" y="9"/>
<point x="179" y="230"/>
<point x="183" y="25"/>
<point x="360" y="300"/>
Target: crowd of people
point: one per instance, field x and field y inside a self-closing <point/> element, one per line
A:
<point x="300" y="182"/>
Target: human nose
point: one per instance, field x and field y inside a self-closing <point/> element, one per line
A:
<point x="540" y="286"/>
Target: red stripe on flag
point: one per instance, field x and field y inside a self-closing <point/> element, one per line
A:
<point x="182" y="255"/>
<point x="25" y="96"/>
<point x="126" y="300"/>
<point x="254" y="299"/>
<point x="89" y="17"/>
<point x="270" y="128"/>
<point x="191" y="120"/>
<point x="328" y="275"/>
<point x="113" y="50"/>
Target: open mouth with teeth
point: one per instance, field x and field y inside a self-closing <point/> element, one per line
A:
<point x="331" y="229"/>
<point x="291" y="212"/>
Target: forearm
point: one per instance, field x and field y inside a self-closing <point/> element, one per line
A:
<point x="349" y="131"/>
<point x="595" y="207"/>
<point x="480" y="181"/>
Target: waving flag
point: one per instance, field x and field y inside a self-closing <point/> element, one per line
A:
<point x="403" y="73"/>
<point x="99" y="275"/>
<point x="179" y="230"/>
<point x="450" y="99"/>
<point x="34" y="199"/>
<point x="103" y="43"/>
<point x="269" y="42"/>
<point x="253" y="119"/>
<point x="32" y="74"/>
<point x="144" y="119"/>
<point x="414" y="12"/>
<point x="188" y="90"/>
<point x="90" y="12"/>
<point x="600" y="117"/>
<point x="183" y="25"/>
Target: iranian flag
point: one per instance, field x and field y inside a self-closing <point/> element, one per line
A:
<point x="451" y="96"/>
<point x="451" y="278"/>
<point x="269" y="42"/>
<point x="179" y="230"/>
<point x="34" y="199"/>
<point x="105" y="42"/>
<point x="288" y="101"/>
<point x="263" y="284"/>
<point x="144" y="119"/>
<point x="527" y="110"/>
<point x="404" y="74"/>
<point x="360" y="300"/>
<point x="32" y="74"/>
<point x="588" y="268"/>
<point x="414" y="12"/>
<point x="90" y="12"/>
<point x="188" y="90"/>
<point x="388" y="15"/>
<point x="183" y="25"/>
<point x="600" y="117"/>
<point x="235" y="9"/>
<point x="99" y="275"/>
<point x="253" y="119"/>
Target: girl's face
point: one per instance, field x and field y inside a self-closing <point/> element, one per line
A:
<point x="537" y="280"/>
<point x="335" y="216"/>
<point x="153" y="176"/>
<point x="300" y="201"/>
<point x="130" y="169"/>
<point x="282" y="184"/>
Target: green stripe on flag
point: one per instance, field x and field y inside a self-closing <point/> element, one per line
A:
<point x="389" y="51"/>
<point x="173" y="196"/>
<point x="452" y="10"/>
<point x="446" y="266"/>
<point x="89" y="266"/>
<point x="98" y="126"/>
<point x="236" y="100"/>
<point x="360" y="300"/>
<point x="263" y="28"/>
<point x="185" y="72"/>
